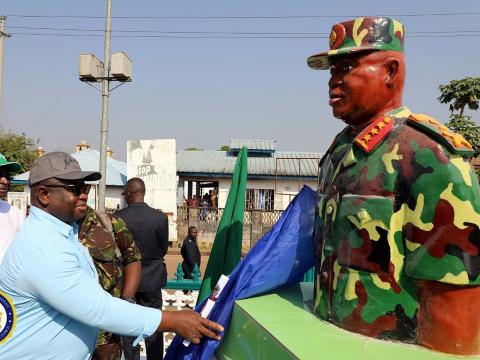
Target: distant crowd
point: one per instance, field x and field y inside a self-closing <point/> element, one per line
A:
<point x="209" y="199"/>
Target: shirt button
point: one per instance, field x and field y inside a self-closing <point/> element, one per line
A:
<point x="329" y="209"/>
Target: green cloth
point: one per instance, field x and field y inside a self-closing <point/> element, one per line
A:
<point x="227" y="246"/>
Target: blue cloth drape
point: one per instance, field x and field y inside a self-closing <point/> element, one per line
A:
<point x="280" y="257"/>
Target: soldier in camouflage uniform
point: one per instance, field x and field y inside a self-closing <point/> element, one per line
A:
<point x="107" y="239"/>
<point x="398" y="215"/>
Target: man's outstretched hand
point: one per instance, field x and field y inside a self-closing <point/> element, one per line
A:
<point x="189" y="325"/>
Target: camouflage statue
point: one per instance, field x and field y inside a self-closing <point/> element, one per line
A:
<point x="108" y="240"/>
<point x="397" y="229"/>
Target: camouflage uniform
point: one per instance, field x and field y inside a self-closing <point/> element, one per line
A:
<point x="397" y="202"/>
<point x="103" y="249"/>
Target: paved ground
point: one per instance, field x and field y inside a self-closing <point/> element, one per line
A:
<point x="172" y="261"/>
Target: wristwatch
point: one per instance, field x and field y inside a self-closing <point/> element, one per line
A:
<point x="130" y="300"/>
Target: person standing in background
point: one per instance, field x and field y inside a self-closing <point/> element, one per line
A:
<point x="10" y="217"/>
<point x="190" y="253"/>
<point x="117" y="261"/>
<point x="214" y="198"/>
<point x="149" y="228"/>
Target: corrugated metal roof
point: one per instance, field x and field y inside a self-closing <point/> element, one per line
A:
<point x="218" y="162"/>
<point x="89" y="161"/>
<point x="253" y="144"/>
<point x="207" y="162"/>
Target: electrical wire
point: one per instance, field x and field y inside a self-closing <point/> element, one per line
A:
<point x="168" y="32"/>
<point x="470" y="13"/>
<point x="226" y="36"/>
<point x="172" y="36"/>
<point x="219" y="32"/>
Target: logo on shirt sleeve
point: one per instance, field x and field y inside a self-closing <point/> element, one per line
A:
<point x="7" y="317"/>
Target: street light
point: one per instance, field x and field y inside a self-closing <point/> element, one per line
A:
<point x="92" y="70"/>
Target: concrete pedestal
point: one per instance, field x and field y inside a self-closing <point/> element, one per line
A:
<point x="281" y="326"/>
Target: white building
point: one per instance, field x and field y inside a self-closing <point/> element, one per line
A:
<point x="274" y="177"/>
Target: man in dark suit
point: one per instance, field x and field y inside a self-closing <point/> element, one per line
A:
<point x="149" y="228"/>
<point x="190" y="253"/>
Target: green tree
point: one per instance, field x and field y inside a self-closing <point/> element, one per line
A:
<point x="460" y="94"/>
<point x="19" y="148"/>
<point x="193" y="149"/>
<point x="469" y="130"/>
<point x="225" y="148"/>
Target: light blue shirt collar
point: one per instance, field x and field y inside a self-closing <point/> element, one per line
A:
<point x="43" y="216"/>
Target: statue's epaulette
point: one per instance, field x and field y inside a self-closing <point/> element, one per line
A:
<point x="374" y="133"/>
<point x="454" y="142"/>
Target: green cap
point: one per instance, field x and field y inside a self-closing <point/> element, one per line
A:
<point x="11" y="166"/>
<point x="361" y="34"/>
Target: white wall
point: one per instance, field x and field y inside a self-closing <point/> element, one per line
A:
<point x="287" y="189"/>
<point x="223" y="187"/>
<point x="113" y="197"/>
<point x="285" y="192"/>
<point x="154" y="161"/>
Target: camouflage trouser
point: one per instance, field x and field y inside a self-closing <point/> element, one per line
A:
<point x="109" y="347"/>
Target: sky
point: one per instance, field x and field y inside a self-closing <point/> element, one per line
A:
<point x="207" y="90"/>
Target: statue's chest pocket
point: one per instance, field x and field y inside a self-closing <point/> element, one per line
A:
<point x="361" y="233"/>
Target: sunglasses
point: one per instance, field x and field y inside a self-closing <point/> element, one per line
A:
<point x="75" y="189"/>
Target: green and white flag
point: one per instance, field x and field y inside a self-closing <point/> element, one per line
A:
<point x="227" y="246"/>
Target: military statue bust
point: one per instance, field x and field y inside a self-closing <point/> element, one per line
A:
<point x="398" y="215"/>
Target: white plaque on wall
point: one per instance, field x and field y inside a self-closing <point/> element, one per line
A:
<point x="155" y="162"/>
<point x="19" y="200"/>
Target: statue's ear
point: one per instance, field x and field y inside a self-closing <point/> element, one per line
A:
<point x="392" y="67"/>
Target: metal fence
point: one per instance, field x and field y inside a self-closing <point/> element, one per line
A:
<point x="206" y="220"/>
<point x="256" y="223"/>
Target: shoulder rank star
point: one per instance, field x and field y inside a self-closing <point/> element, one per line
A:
<point x="369" y="138"/>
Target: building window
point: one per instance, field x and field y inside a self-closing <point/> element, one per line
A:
<point x="259" y="199"/>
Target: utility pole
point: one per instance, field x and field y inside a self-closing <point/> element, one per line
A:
<point x="2" y="35"/>
<point x="105" y="98"/>
<point x="115" y="67"/>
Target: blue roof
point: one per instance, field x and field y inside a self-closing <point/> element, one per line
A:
<point x="89" y="160"/>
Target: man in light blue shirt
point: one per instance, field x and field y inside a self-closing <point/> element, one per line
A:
<point x="50" y="284"/>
